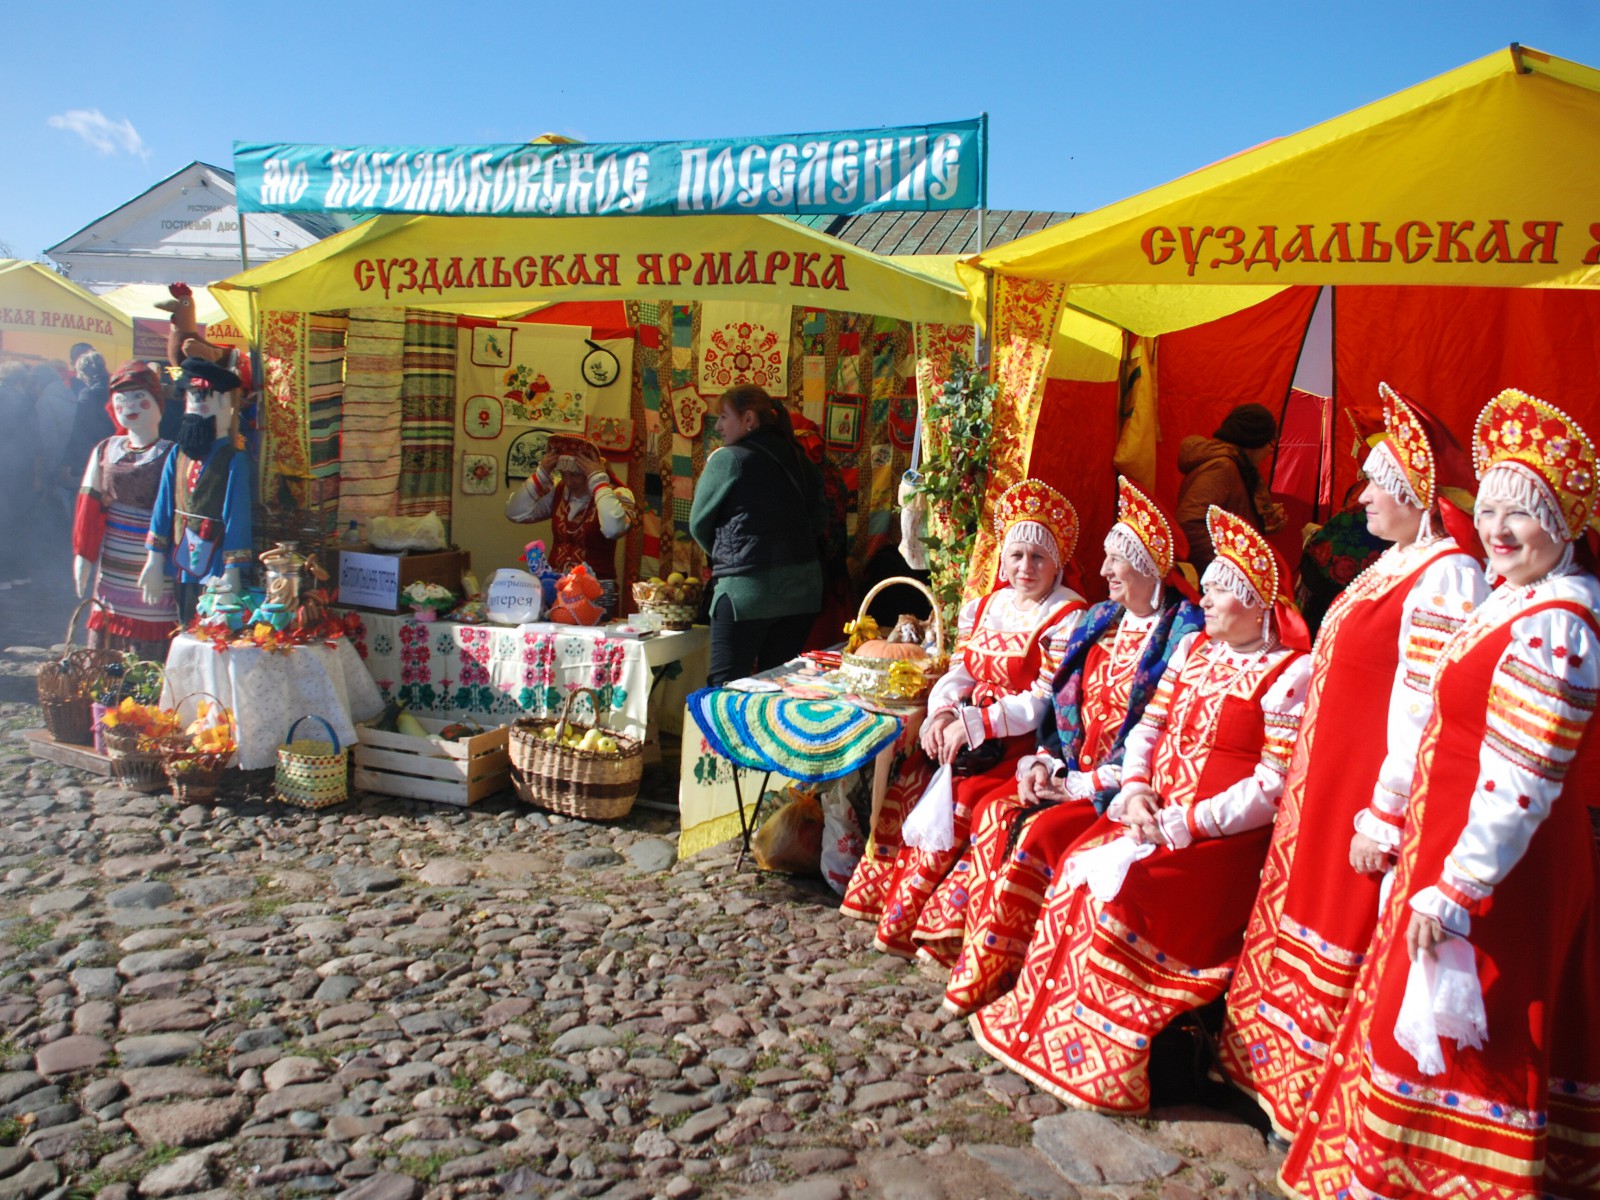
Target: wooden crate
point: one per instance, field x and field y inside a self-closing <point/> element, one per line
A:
<point x="460" y="772"/>
<point x="85" y="758"/>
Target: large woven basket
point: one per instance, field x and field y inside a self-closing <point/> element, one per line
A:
<point x="877" y="678"/>
<point x="312" y="780"/>
<point x="569" y="781"/>
<point x="67" y="687"/>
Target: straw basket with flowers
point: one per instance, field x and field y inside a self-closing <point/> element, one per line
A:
<point x="899" y="668"/>
<point x="134" y="736"/>
<point x="195" y="759"/>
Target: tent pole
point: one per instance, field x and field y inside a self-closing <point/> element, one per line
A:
<point x="244" y="247"/>
<point x="977" y="330"/>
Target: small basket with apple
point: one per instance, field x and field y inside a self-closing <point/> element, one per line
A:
<point x="574" y="769"/>
<point x="674" y="601"/>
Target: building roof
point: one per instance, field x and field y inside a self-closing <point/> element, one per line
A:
<point x="318" y="225"/>
<point x="951" y="232"/>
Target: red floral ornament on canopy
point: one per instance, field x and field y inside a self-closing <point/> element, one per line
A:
<point x="1538" y="437"/>
<point x="743" y="352"/>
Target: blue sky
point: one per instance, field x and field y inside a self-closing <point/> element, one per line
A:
<point x="1087" y="103"/>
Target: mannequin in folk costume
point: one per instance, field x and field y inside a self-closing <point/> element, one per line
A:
<point x="200" y="527"/>
<point x="1147" y="913"/>
<point x="988" y="703"/>
<point x="1370" y="698"/>
<point x="1489" y="1088"/>
<point x="1108" y="674"/>
<point x="587" y="506"/>
<point x="120" y="484"/>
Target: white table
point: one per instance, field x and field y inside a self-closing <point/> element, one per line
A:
<point x="269" y="690"/>
<point x="499" y="672"/>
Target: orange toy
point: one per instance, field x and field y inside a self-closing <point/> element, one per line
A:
<point x="576" y="596"/>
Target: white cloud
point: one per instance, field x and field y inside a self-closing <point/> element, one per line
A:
<point x="101" y="132"/>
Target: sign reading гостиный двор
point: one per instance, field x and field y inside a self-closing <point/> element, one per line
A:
<point x="919" y="168"/>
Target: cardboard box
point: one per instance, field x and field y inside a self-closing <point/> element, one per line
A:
<point x="374" y="579"/>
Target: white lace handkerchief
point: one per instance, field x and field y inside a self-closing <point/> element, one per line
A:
<point x="1106" y="866"/>
<point x="1443" y="998"/>
<point x="932" y="823"/>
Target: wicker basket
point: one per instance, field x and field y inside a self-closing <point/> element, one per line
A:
<point x="132" y="765"/>
<point x="569" y="781"/>
<point x="194" y="778"/>
<point x="676" y="614"/>
<point x="68" y="686"/>
<point x="877" y="678"/>
<point x="312" y="780"/>
<point x="130" y="678"/>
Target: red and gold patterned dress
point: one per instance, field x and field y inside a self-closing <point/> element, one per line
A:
<point x="1498" y="847"/>
<point x="1371" y="681"/>
<point x="1102" y="979"/>
<point x="999" y="685"/>
<point x="1007" y="883"/>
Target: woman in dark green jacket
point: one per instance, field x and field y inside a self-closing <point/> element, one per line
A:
<point x="758" y="513"/>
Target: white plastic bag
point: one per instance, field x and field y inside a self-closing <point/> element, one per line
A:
<point x="842" y="841"/>
<point x="932" y="823"/>
<point x="408" y="533"/>
<point x="1106" y="866"/>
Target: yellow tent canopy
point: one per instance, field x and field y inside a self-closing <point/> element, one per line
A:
<point x="43" y="314"/>
<point x="506" y="266"/>
<point x="1482" y="176"/>
<point x="140" y="299"/>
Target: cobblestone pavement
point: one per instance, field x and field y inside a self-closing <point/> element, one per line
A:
<point x="391" y="1000"/>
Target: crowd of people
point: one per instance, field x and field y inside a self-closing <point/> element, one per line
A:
<point x="54" y="414"/>
<point x="1371" y="858"/>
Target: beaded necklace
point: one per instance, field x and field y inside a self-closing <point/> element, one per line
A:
<point x="1212" y="683"/>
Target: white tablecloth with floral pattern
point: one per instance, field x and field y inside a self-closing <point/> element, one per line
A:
<point x="472" y="672"/>
<point x="269" y="691"/>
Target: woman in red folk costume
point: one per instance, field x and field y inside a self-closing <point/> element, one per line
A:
<point x="1467" y="1065"/>
<point x="1370" y="698"/>
<point x="587" y="506"/>
<point x="1110" y="670"/>
<point x="982" y="714"/>
<point x="1148" y="912"/>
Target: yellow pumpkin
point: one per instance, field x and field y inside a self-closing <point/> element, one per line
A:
<point x="878" y="648"/>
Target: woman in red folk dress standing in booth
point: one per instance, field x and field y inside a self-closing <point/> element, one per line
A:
<point x="982" y="714"/>
<point x="1371" y="680"/>
<point x="1467" y="1066"/>
<point x="1148" y="911"/>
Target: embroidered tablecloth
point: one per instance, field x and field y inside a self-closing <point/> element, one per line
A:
<point x="476" y="672"/>
<point x="269" y="690"/>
